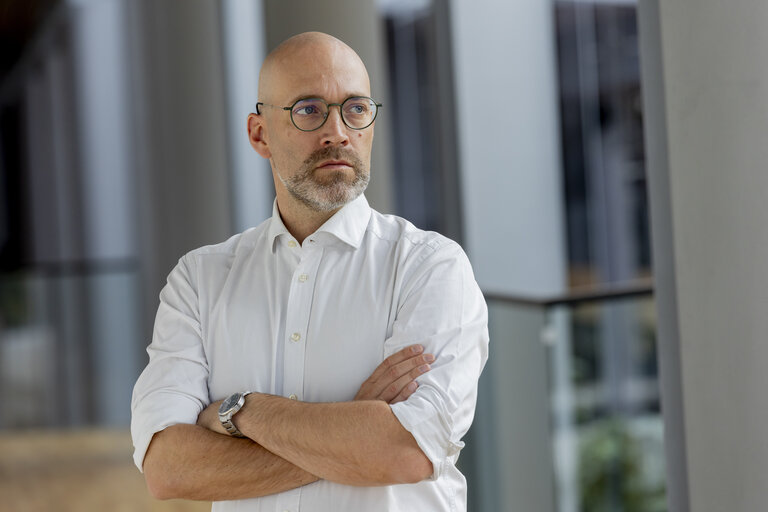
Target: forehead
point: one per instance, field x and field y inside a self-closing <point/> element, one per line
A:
<point x="332" y="73"/>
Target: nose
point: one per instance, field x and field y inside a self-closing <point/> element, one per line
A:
<point x="334" y="131"/>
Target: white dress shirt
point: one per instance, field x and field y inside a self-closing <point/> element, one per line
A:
<point x="311" y="322"/>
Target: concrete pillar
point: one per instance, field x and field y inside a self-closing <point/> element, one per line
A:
<point x="244" y="36"/>
<point x="508" y="136"/>
<point x="181" y="129"/>
<point x="108" y="194"/>
<point x="706" y="118"/>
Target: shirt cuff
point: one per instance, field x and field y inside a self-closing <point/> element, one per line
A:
<point x="431" y="427"/>
<point x="145" y="424"/>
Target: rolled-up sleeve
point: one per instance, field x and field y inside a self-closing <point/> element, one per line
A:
<point x="444" y="310"/>
<point x="173" y="388"/>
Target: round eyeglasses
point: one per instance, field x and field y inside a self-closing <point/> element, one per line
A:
<point x="357" y="112"/>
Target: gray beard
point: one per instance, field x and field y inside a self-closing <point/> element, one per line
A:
<point x="335" y="190"/>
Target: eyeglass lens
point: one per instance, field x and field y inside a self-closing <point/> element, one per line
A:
<point x="310" y="114"/>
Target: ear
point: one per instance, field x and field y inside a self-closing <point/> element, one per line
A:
<point x="256" y="132"/>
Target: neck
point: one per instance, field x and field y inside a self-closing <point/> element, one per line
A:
<point x="299" y="220"/>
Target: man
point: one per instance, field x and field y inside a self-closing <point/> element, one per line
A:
<point x="359" y="337"/>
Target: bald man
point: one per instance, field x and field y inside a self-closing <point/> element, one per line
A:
<point x="329" y="356"/>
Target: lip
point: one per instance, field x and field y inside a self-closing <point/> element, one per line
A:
<point x="334" y="164"/>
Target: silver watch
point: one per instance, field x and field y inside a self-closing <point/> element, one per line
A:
<point x="228" y="408"/>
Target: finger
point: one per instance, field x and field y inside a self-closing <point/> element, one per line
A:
<point x="397" y="386"/>
<point x="394" y="359"/>
<point x="387" y="373"/>
<point x="384" y="387"/>
<point x="405" y="393"/>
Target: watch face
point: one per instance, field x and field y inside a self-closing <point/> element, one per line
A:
<point x="229" y="403"/>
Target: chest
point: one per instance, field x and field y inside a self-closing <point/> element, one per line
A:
<point x="311" y="326"/>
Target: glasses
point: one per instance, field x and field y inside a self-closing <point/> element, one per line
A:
<point x="357" y="112"/>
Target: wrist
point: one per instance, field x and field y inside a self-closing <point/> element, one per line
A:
<point x="247" y="420"/>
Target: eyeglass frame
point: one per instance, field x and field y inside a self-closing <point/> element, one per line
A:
<point x="328" y="112"/>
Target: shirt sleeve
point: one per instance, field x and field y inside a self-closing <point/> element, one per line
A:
<point x="173" y="388"/>
<point x="443" y="309"/>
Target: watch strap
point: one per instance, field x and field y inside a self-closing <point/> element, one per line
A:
<point x="226" y="419"/>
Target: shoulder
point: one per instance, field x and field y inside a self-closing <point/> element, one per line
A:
<point x="214" y="261"/>
<point x="399" y="231"/>
<point x="244" y="241"/>
<point x="415" y="247"/>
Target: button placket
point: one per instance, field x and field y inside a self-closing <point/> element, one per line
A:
<point x="297" y="322"/>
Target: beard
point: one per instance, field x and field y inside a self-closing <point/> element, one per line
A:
<point x="335" y="188"/>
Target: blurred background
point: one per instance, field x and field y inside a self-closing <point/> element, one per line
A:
<point x="515" y="128"/>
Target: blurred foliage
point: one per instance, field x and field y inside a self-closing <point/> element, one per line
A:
<point x="611" y="472"/>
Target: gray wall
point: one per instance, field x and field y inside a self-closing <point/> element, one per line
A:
<point x="707" y="119"/>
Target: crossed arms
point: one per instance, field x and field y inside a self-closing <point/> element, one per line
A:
<point x="290" y="443"/>
<point x="371" y="440"/>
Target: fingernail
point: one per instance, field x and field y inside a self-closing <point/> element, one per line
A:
<point x="429" y="358"/>
<point x="424" y="368"/>
<point x="417" y="348"/>
<point x="412" y="386"/>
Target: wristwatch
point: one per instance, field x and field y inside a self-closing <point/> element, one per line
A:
<point x="228" y="408"/>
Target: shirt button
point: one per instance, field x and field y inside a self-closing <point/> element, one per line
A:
<point x="303" y="277"/>
<point x="292" y="396"/>
<point x="295" y="336"/>
<point x="292" y="243"/>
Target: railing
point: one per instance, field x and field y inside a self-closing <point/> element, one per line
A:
<point x="569" y="414"/>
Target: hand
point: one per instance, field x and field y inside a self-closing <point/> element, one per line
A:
<point x="394" y="380"/>
<point x="209" y="418"/>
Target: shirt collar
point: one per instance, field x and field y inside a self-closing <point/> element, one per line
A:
<point x="348" y="224"/>
<point x="276" y="226"/>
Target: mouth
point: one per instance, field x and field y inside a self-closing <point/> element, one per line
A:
<point x="331" y="165"/>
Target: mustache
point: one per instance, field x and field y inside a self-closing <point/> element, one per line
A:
<point x="333" y="153"/>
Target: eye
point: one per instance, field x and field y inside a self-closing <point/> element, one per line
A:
<point x="306" y="110"/>
<point x="357" y="108"/>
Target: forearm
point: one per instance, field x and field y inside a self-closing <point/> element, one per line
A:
<point x="355" y="443"/>
<point x="191" y="462"/>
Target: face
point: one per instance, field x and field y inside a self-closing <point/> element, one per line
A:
<point x="329" y="167"/>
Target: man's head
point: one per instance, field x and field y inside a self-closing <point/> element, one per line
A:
<point x="325" y="168"/>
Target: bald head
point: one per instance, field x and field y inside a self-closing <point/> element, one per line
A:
<point x="299" y="60"/>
